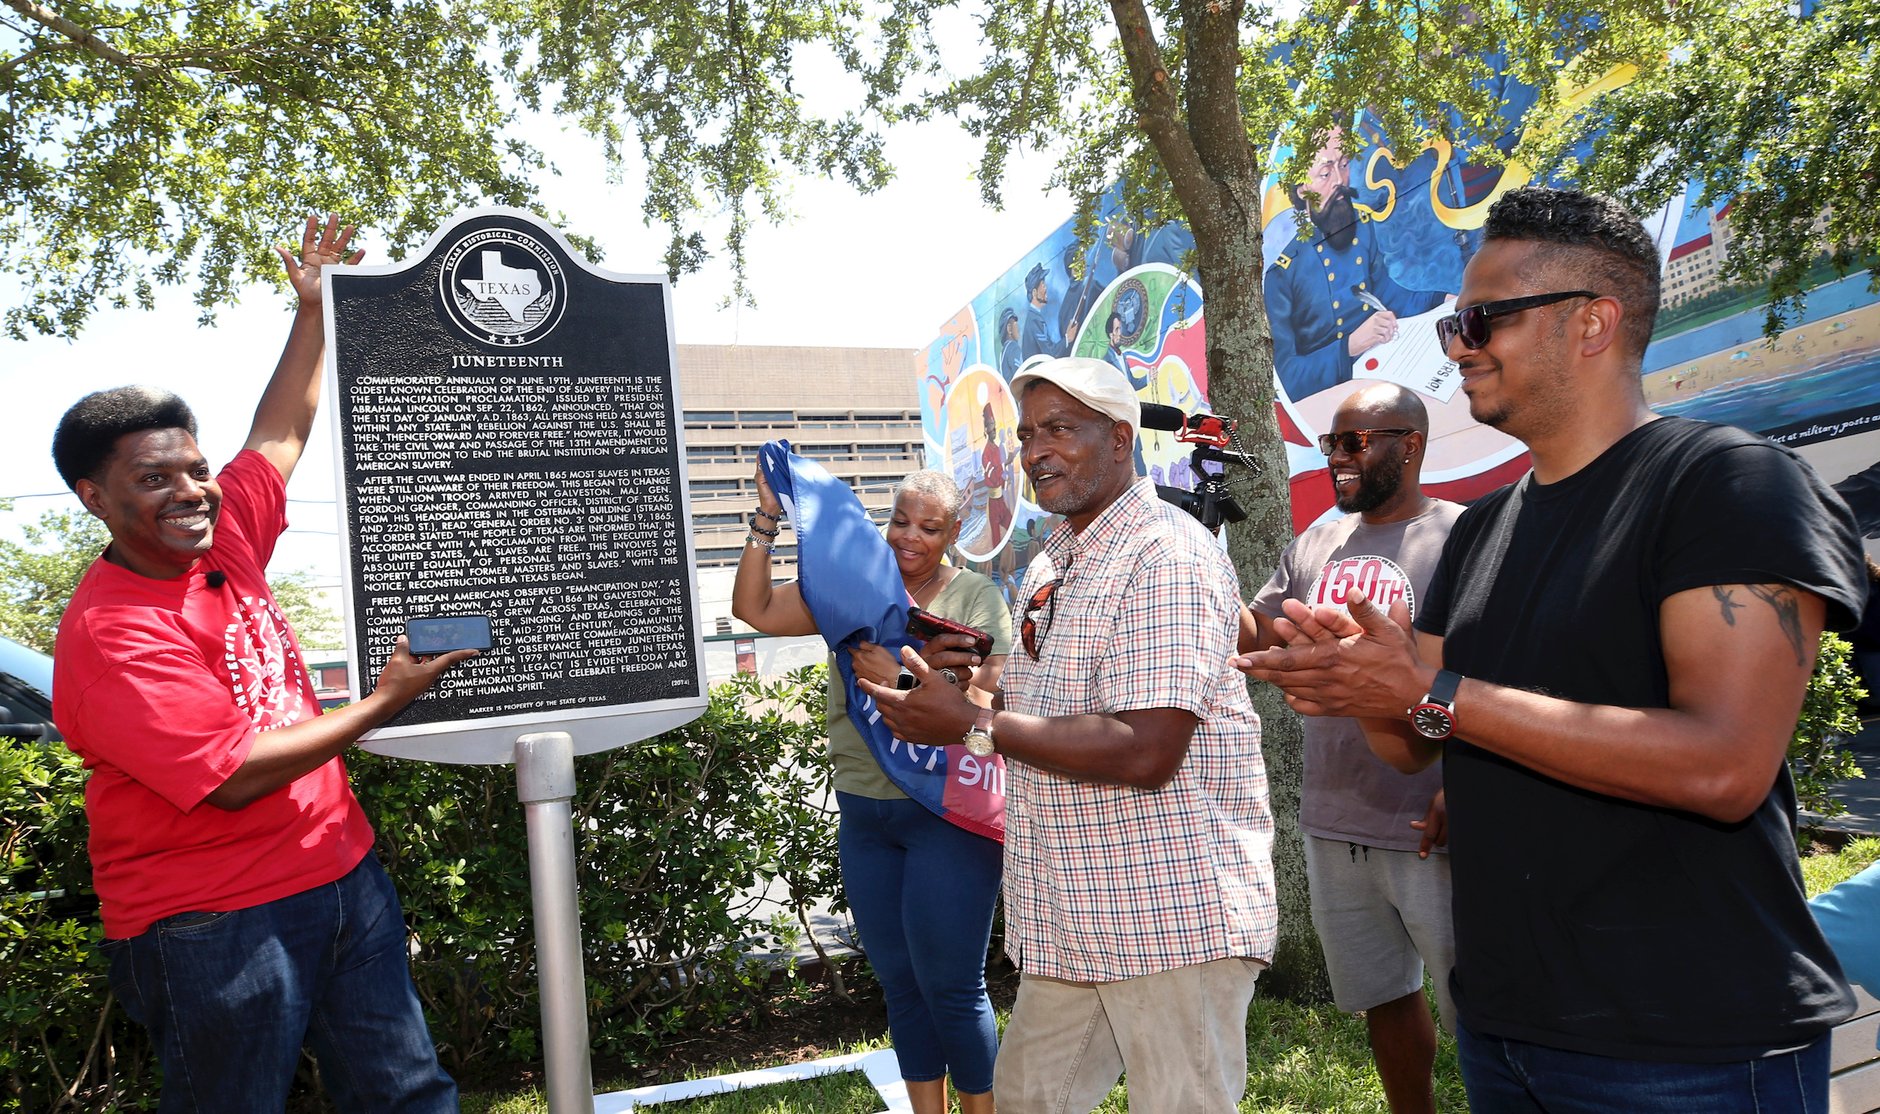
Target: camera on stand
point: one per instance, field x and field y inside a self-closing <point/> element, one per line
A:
<point x="1211" y="437"/>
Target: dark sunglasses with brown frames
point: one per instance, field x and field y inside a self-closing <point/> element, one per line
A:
<point x="1471" y="325"/>
<point x="1028" y="627"/>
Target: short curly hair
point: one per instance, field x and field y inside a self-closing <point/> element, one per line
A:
<point x="937" y="486"/>
<point x="89" y="431"/>
<point x="1587" y="240"/>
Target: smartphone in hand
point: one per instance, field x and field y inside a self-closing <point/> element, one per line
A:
<point x="925" y="624"/>
<point x="441" y="635"/>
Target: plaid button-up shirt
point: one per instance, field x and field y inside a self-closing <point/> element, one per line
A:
<point x="1108" y="882"/>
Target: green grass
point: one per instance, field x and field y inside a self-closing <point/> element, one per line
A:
<point x="1300" y="1060"/>
<point x="1824" y="870"/>
<point x="843" y="1092"/>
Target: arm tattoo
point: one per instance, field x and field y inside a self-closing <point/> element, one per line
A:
<point x="1788" y="611"/>
<point x="1726" y="599"/>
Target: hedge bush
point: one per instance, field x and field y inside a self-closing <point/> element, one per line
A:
<point x="65" y="1043"/>
<point x="677" y="838"/>
<point x="1829" y="717"/>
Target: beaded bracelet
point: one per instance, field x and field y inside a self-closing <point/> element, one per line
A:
<point x="756" y="529"/>
<point x="762" y="513"/>
<point x="755" y="542"/>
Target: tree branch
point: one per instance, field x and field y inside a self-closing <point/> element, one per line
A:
<point x="82" y="37"/>
<point x="1159" y="113"/>
<point x="1211" y="92"/>
<point x="7" y="67"/>
<point x="1036" y="57"/>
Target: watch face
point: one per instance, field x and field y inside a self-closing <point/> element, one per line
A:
<point x="1432" y="721"/>
<point x="978" y="743"/>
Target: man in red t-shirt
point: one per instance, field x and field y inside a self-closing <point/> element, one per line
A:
<point x="244" y="912"/>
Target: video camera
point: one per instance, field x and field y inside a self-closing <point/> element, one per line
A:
<point x="1210" y="434"/>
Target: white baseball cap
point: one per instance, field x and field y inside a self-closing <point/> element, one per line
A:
<point x="1095" y="383"/>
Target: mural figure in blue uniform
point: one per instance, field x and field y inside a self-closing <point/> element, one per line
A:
<point x="1009" y="355"/>
<point x="1329" y="295"/>
<point x="1037" y="338"/>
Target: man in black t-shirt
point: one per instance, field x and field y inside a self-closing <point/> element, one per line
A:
<point x="1610" y="660"/>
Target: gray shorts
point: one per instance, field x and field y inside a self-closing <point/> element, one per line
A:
<point x="1381" y="916"/>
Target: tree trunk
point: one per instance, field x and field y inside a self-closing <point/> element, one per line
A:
<point x="1202" y="144"/>
<point x="1240" y="386"/>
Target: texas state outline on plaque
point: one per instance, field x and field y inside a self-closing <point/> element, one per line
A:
<point x="512" y="288"/>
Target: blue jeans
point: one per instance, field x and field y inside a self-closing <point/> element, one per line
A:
<point x="922" y="891"/>
<point x="230" y="998"/>
<point x="1515" y="1077"/>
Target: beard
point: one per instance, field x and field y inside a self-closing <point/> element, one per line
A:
<point x="1337" y="218"/>
<point x="1376" y="485"/>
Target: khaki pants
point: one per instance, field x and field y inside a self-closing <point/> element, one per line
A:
<point x="1180" y="1035"/>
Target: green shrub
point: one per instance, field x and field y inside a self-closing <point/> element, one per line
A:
<point x="676" y="838"/>
<point x="63" y="1043"/>
<point x="1828" y="718"/>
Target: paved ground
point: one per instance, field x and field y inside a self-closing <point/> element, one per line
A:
<point x="1862" y="795"/>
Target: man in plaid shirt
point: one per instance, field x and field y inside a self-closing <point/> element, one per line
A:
<point x="1138" y="880"/>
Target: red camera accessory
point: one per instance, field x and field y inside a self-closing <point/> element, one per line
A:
<point x="925" y="624"/>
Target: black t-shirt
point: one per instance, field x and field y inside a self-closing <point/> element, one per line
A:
<point x="1583" y="921"/>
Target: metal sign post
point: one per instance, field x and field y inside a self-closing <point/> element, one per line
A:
<point x="545" y="783"/>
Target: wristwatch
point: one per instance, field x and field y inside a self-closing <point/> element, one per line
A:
<point x="1434" y="717"/>
<point x="978" y="741"/>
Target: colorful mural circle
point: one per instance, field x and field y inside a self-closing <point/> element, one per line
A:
<point x="980" y="448"/>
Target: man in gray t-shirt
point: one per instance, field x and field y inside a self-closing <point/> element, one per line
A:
<point x="1380" y="901"/>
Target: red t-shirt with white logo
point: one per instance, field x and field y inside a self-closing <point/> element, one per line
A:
<point x="161" y="686"/>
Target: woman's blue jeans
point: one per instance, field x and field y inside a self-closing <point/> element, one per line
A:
<point x="922" y="891"/>
<point x="1515" y="1077"/>
<point x="230" y="998"/>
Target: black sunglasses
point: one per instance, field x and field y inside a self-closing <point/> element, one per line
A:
<point x="1471" y="325"/>
<point x="1355" y="441"/>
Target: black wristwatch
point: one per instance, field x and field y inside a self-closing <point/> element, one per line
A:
<point x="1434" y="717"/>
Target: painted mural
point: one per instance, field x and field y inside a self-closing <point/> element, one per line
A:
<point x="1360" y="260"/>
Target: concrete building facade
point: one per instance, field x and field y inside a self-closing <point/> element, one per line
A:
<point x="855" y="411"/>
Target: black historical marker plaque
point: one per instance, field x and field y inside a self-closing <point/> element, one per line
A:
<point x="509" y="445"/>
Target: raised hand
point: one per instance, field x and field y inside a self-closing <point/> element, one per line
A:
<point x="320" y="247"/>
<point x="767" y="500"/>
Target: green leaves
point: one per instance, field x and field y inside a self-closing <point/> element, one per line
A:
<point x="1778" y="113"/>
<point x="1828" y="719"/>
<point x="175" y="143"/>
<point x="157" y="144"/>
<point x="59" y="1029"/>
<point x="675" y="839"/>
<point x="37" y="577"/>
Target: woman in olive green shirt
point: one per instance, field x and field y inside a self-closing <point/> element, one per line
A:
<point x="922" y="889"/>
